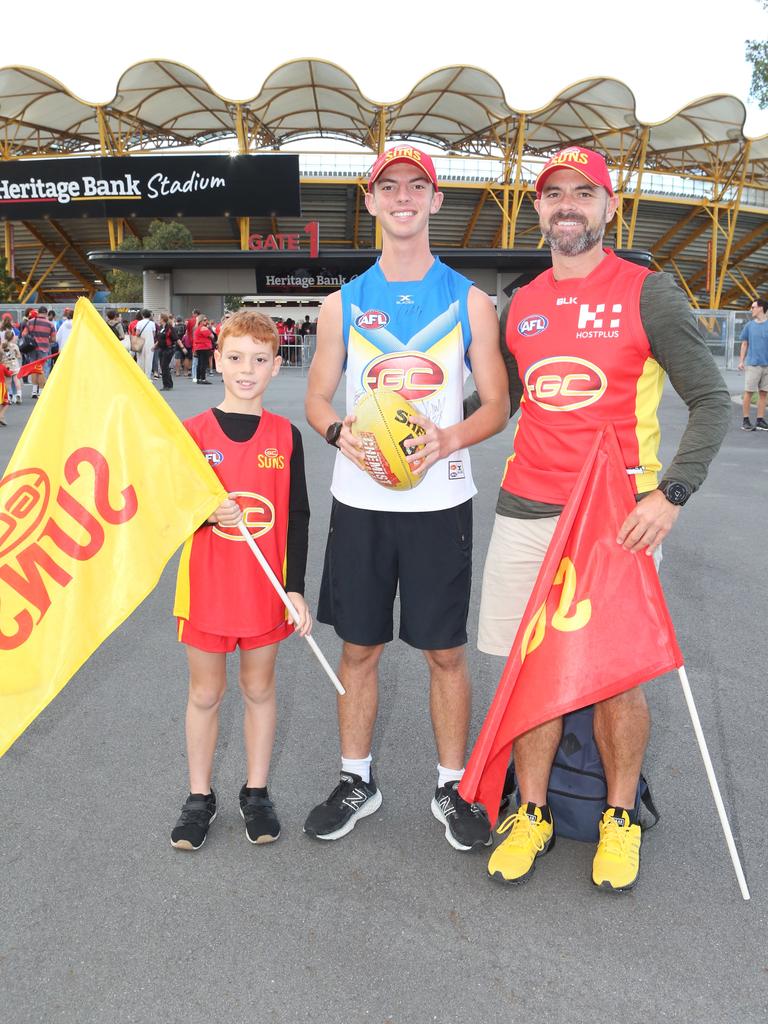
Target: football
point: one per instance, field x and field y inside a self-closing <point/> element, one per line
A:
<point x="383" y="422"/>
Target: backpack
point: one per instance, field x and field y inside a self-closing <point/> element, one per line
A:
<point x="577" y="791"/>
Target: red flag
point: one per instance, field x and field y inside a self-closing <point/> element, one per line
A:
<point x="36" y="366"/>
<point x="596" y="623"/>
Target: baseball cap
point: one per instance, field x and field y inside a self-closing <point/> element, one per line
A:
<point x="589" y="164"/>
<point x="403" y="154"/>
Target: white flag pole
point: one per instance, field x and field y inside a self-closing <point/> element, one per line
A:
<point x="288" y="603"/>
<point x="713" y="783"/>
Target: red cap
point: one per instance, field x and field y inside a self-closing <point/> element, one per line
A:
<point x="403" y="154"/>
<point x="589" y="164"/>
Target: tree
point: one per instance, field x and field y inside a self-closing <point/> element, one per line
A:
<point x="757" y="55"/>
<point x="232" y="303"/>
<point x="164" y="235"/>
<point x="125" y="287"/>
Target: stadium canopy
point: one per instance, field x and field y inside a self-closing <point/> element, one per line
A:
<point x="698" y="162"/>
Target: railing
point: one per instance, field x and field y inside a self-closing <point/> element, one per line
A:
<point x="297" y="354"/>
<point x="721" y="332"/>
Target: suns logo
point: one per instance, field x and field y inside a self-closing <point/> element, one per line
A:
<point x="214" y="456"/>
<point x="532" y="325"/>
<point x="270" y="458"/>
<point x="372" y="320"/>
<point x="411" y="374"/>
<point x="258" y="516"/>
<point x="564" y="383"/>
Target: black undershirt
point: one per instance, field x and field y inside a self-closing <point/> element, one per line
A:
<point x="241" y="427"/>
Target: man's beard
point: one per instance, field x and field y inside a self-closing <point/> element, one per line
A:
<point x="573" y="245"/>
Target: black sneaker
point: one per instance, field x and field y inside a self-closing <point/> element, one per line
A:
<point x="351" y="800"/>
<point x="258" y="813"/>
<point x="196" y="816"/>
<point x="746" y="424"/>
<point x="466" y="825"/>
<point x="760" y="424"/>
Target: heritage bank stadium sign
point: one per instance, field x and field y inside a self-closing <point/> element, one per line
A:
<point x="149" y="186"/>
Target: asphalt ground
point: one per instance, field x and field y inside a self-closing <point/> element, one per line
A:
<point x="102" y="921"/>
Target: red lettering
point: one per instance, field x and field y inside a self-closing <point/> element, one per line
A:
<point x="110" y="514"/>
<point x="313" y="230"/>
<point x="29" y="583"/>
<point x="10" y="641"/>
<point x="270" y="242"/>
<point x="81" y="515"/>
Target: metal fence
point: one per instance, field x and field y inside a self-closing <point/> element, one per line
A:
<point x="721" y="331"/>
<point x="297" y="355"/>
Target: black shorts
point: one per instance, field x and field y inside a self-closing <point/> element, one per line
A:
<point x="428" y="554"/>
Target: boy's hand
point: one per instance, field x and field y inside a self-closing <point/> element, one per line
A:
<point x="304" y="625"/>
<point x="228" y="513"/>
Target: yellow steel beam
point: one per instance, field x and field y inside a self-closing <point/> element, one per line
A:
<point x="24" y="290"/>
<point x="52" y="266"/>
<point x="9" y="249"/>
<point x="519" y="187"/>
<point x="471" y="224"/>
<point x="638" y="186"/>
<point x="734" y="213"/>
<point x="381" y="143"/>
<point x="712" y="258"/>
<point x="69" y="244"/>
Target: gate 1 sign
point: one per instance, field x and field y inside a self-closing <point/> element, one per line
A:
<point x="150" y="186"/>
<point x="288" y="241"/>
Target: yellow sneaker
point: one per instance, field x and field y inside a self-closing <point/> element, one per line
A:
<point x="617" y="859"/>
<point x="529" y="837"/>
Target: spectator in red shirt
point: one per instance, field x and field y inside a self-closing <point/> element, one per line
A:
<point x="202" y="346"/>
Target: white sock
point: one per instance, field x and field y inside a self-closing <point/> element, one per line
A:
<point x="448" y="775"/>
<point x="357" y="766"/>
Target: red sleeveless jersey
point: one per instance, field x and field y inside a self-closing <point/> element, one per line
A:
<point x="220" y="587"/>
<point x="584" y="359"/>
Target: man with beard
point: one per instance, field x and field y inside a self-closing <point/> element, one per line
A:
<point x="585" y="343"/>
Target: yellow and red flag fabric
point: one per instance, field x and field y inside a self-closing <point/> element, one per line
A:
<point x="596" y="623"/>
<point x="38" y="366"/>
<point x="103" y="487"/>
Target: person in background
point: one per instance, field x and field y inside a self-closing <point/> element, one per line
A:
<point x="753" y="360"/>
<point x="202" y="346"/>
<point x="65" y="329"/>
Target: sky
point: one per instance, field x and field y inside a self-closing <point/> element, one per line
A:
<point x="668" y="52"/>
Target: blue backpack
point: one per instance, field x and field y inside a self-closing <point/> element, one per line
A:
<point x="577" y="791"/>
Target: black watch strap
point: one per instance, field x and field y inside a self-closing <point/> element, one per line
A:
<point x="333" y="432"/>
<point x="675" y="492"/>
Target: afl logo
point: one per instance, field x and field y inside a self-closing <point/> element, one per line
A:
<point x="213" y="455"/>
<point x="258" y="516"/>
<point x="24" y="497"/>
<point x="372" y="320"/>
<point x="411" y="374"/>
<point x="532" y="325"/>
<point x="562" y="384"/>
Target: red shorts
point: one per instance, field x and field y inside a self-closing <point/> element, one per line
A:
<point x="215" y="644"/>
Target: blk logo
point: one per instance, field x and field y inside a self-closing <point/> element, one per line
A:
<point x="593" y="318"/>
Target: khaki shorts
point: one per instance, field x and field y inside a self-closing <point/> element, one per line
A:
<point x="512" y="564"/>
<point x="756" y="378"/>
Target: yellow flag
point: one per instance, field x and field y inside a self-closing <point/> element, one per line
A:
<point x="103" y="487"/>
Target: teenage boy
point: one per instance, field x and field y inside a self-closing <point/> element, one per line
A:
<point x="414" y="310"/>
<point x="223" y="597"/>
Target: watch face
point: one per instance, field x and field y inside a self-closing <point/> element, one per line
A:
<point x="678" y="494"/>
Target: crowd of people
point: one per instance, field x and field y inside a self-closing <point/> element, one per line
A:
<point x="164" y="346"/>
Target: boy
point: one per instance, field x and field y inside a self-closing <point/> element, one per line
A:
<point x="223" y="598"/>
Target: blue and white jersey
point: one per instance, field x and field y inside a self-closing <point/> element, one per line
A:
<point x="410" y="337"/>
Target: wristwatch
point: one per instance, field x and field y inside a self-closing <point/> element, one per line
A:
<point x="675" y="492"/>
<point x="332" y="433"/>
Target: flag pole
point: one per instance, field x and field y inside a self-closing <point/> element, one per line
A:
<point x="713" y="782"/>
<point x="288" y="603"/>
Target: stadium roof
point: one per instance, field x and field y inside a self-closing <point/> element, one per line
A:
<point x="693" y="187"/>
<point x="164" y="104"/>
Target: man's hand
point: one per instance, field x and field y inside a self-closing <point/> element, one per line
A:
<point x="304" y="626"/>
<point x="434" y="444"/>
<point x="228" y="513"/>
<point x="741" y="365"/>
<point x="350" y="445"/>
<point x="648" y="523"/>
